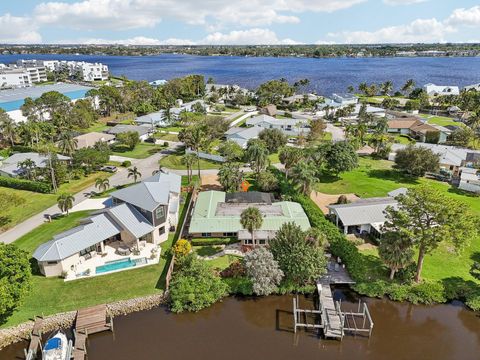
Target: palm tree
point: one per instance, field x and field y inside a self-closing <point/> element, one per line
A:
<point x="47" y="149"/>
<point x="188" y="160"/>
<point x="133" y="172"/>
<point x="363" y="87"/>
<point x="408" y="87"/>
<point x="230" y="176"/>
<point x="386" y="88"/>
<point x="67" y="143"/>
<point x="29" y="166"/>
<point x="350" y="89"/>
<point x="65" y="202"/>
<point x="289" y="156"/>
<point x="251" y="220"/>
<point x="194" y="138"/>
<point x="395" y="252"/>
<point x="102" y="184"/>
<point x="304" y="175"/>
<point x="8" y="127"/>
<point x="257" y="155"/>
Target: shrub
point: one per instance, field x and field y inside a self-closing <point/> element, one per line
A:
<point x="165" y="144"/>
<point x="427" y="293"/>
<point x="213" y="241"/>
<point x="235" y="269"/>
<point x="22" y="148"/>
<point x="239" y="285"/>
<point x="126" y="163"/>
<point x="473" y="301"/>
<point x="121" y="148"/>
<point x="182" y="247"/>
<point x="21" y="184"/>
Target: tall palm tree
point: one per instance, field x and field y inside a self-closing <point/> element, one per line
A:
<point x="65" y="202"/>
<point x="67" y="143"/>
<point x="257" y="155"/>
<point x="8" y="127"/>
<point x="386" y="87"/>
<point x="251" y="220"/>
<point x="289" y="156"/>
<point x="194" y="138"/>
<point x="408" y="86"/>
<point x="304" y="175"/>
<point x="395" y="252"/>
<point x="29" y="166"/>
<point x="133" y="172"/>
<point x="47" y="149"/>
<point x="230" y="176"/>
<point x="188" y="160"/>
<point x="102" y="184"/>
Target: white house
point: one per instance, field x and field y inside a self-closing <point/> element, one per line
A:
<point x="157" y="118"/>
<point x="187" y="107"/>
<point x="144" y="131"/>
<point x="287" y="126"/>
<point x="123" y="236"/>
<point x="475" y="87"/>
<point x="469" y="180"/>
<point x="242" y="135"/>
<point x="10" y="166"/>
<point x="437" y="90"/>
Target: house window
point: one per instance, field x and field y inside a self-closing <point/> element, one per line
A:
<point x="206" y="234"/>
<point x="262" y="242"/>
<point x="51" y="263"/>
<point x="159" y="212"/>
<point x="228" y="234"/>
<point x="248" y="242"/>
<point x="161" y="230"/>
<point x="87" y="250"/>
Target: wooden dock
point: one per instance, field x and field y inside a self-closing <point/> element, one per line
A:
<point x="35" y="340"/>
<point x="331" y="315"/>
<point x="89" y="321"/>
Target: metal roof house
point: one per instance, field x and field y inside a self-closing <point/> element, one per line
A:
<point x="157" y="118"/>
<point x="242" y="135"/>
<point x="142" y="130"/>
<point x="287" y="126"/>
<point x="218" y="215"/>
<point x="122" y="236"/>
<point x="362" y="216"/>
<point x="9" y="166"/>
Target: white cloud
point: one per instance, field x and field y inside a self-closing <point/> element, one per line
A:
<point x="18" y="30"/>
<point x="239" y="37"/>
<point x="466" y="17"/>
<point x="402" y="2"/>
<point x="214" y="14"/>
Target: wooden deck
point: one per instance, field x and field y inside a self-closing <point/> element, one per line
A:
<point x="331" y="316"/>
<point x="35" y="339"/>
<point x="89" y="321"/>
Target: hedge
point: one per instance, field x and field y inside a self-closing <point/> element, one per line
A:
<point x="427" y="292"/>
<point x="21" y="184"/>
<point x="213" y="241"/>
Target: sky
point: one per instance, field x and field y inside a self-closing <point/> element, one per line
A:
<point x="238" y="22"/>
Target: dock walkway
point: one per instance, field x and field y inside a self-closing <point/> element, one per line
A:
<point x="331" y="316"/>
<point x="35" y="340"/>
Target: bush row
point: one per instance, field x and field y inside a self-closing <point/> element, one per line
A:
<point x="21" y="184"/>
<point x="213" y="241"/>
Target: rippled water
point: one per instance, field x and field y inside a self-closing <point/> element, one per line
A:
<point x="240" y="328"/>
<point x="326" y="75"/>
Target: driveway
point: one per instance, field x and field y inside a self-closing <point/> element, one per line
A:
<point x="337" y="133"/>
<point x="241" y="118"/>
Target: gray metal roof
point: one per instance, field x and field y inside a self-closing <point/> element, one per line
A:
<point x="10" y="164"/>
<point x="361" y="212"/>
<point x="156" y="118"/>
<point x="152" y="192"/>
<point x="120" y="129"/>
<point x="131" y="219"/>
<point x="94" y="230"/>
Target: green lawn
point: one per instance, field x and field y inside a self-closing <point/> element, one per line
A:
<point x="274" y="158"/>
<point x="99" y="126"/>
<point x="141" y="151"/>
<point x="222" y="262"/>
<point x="175" y="162"/>
<point x="403" y="139"/>
<point x="166" y="136"/>
<point x="33" y="203"/>
<point x="440" y="120"/>
<point x="375" y="178"/>
<point x="52" y="295"/>
<point x="171" y="129"/>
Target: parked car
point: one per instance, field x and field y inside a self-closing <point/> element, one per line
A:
<point x="109" y="168"/>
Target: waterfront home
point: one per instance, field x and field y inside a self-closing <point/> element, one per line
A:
<point x="290" y="126"/>
<point x="438" y="90"/>
<point x="469" y="180"/>
<point x="158" y="118"/>
<point x="90" y="139"/>
<point x="144" y="131"/>
<point x="10" y="166"/>
<point x="242" y="135"/>
<point x="217" y="214"/>
<point x="475" y="87"/>
<point x="120" y="237"/>
<point x="417" y="129"/>
<point x="187" y="107"/>
<point x="300" y="98"/>
<point x="451" y="158"/>
<point x="157" y="83"/>
<point x="362" y="216"/>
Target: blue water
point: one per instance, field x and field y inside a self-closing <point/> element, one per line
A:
<point x="118" y="265"/>
<point x="15" y="105"/>
<point x="326" y="75"/>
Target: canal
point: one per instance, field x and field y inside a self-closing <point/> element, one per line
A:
<point x="241" y="328"/>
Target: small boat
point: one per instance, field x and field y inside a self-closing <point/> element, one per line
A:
<point x="56" y="348"/>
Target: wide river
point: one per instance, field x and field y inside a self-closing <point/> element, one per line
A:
<point x="326" y="75"/>
<point x="262" y="329"/>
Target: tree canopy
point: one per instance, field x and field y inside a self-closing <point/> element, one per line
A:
<point x="416" y="161"/>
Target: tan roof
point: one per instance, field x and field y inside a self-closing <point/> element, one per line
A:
<point x="403" y="123"/>
<point x="88" y="140"/>
<point x="424" y="128"/>
<point x="269" y="110"/>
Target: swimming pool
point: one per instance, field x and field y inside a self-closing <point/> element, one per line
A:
<point x="119" y="264"/>
<point x="16" y="104"/>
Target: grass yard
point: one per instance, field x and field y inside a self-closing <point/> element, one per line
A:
<point x="274" y="158"/>
<point x="440" y="120"/>
<point x="141" y="151"/>
<point x="52" y="295"/>
<point x="166" y="136"/>
<point x="171" y="129"/>
<point x="175" y="162"/>
<point x="32" y="203"/>
<point x="403" y="139"/>
<point x="222" y="262"/>
<point x="375" y="178"/>
<point x="98" y="126"/>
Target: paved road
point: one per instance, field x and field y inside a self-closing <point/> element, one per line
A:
<point x="337" y="133"/>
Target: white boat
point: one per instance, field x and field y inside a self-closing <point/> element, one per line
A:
<point x="57" y="348"/>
